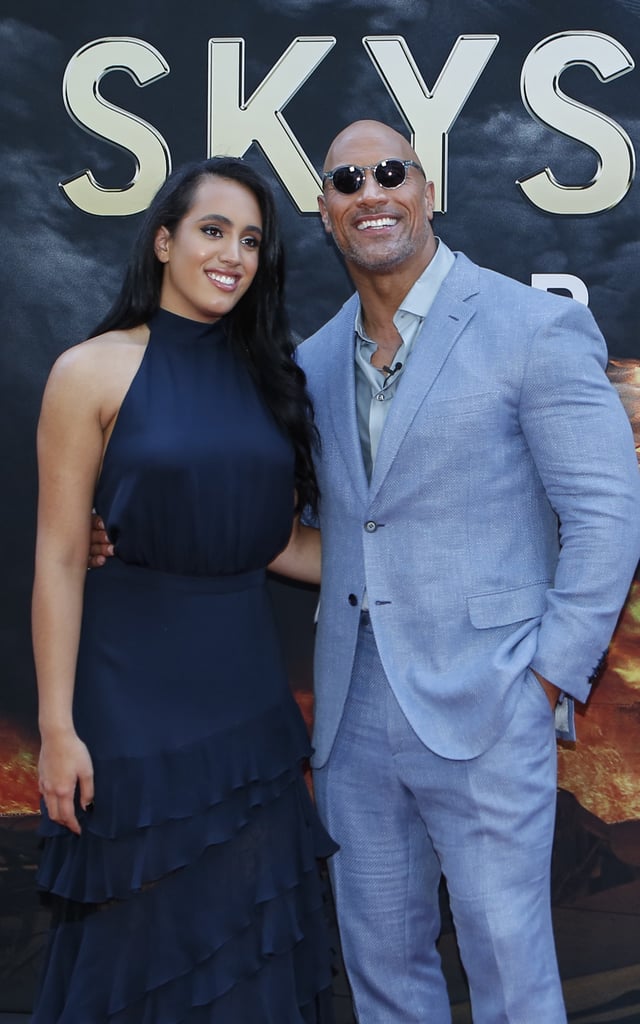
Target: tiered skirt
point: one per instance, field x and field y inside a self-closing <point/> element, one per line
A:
<point x="193" y="893"/>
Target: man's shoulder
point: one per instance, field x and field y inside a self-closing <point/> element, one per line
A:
<point x="340" y="323"/>
<point x="512" y="307"/>
<point x="498" y="288"/>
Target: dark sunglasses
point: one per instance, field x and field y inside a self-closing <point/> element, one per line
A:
<point x="388" y="173"/>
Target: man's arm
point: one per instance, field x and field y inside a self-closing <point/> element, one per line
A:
<point x="581" y="440"/>
<point x="300" y="560"/>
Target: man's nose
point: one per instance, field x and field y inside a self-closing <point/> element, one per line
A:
<point x="370" y="190"/>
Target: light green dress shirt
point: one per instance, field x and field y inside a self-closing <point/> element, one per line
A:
<point x="375" y="390"/>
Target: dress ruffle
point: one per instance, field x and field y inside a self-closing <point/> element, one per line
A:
<point x="154" y="814"/>
<point x="225" y="898"/>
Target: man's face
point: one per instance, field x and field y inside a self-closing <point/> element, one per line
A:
<point x="377" y="229"/>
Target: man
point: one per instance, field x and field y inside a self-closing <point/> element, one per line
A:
<point x="463" y="416"/>
<point x="480" y="528"/>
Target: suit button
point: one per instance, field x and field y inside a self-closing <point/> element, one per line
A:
<point x="353" y="600"/>
<point x="370" y="526"/>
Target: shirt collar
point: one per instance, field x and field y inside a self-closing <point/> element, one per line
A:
<point x="420" y="297"/>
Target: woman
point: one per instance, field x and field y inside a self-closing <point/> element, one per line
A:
<point x="179" y="840"/>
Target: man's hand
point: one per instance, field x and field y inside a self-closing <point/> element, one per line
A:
<point x="552" y="692"/>
<point x="100" y="547"/>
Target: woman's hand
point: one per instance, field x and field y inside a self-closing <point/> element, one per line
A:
<point x="64" y="765"/>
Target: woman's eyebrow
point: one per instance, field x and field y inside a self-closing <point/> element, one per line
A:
<point x="225" y="220"/>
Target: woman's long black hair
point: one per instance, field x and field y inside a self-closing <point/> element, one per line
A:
<point x="258" y="325"/>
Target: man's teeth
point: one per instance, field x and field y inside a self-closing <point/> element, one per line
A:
<point x="377" y="222"/>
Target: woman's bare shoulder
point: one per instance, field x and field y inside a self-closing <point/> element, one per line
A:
<point x="103" y="347"/>
<point x="103" y="354"/>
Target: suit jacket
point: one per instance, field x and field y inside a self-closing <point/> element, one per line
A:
<point x="501" y="527"/>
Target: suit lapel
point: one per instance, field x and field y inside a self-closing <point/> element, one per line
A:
<point x="341" y="395"/>
<point x="445" y="322"/>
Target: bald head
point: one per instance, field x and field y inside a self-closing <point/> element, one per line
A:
<point x="368" y="134"/>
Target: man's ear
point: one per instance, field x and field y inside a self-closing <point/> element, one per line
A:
<point x="430" y="198"/>
<point x="322" y="206"/>
<point x="161" y="244"/>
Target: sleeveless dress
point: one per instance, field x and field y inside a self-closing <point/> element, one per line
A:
<point x="192" y="894"/>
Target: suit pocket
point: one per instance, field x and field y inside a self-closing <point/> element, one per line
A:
<point x="503" y="607"/>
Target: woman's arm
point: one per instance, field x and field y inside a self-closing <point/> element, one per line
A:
<point x="301" y="559"/>
<point x="70" y="444"/>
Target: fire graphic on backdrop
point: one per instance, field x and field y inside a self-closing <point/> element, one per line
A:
<point x="18" y="771"/>
<point x="602" y="770"/>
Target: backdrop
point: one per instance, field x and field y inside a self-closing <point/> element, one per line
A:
<point x="526" y="116"/>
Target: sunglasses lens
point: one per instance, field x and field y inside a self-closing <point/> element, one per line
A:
<point x="390" y="173"/>
<point x="347" y="179"/>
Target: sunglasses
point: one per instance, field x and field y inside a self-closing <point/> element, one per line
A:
<point x="388" y="173"/>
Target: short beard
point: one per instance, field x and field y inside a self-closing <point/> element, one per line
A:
<point x="384" y="263"/>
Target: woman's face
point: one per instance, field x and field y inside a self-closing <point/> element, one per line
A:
<point x="212" y="256"/>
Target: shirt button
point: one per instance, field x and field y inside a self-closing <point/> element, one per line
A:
<point x="353" y="600"/>
<point x="370" y="526"/>
<point x="380" y="396"/>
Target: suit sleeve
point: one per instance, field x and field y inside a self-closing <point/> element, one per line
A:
<point x="581" y="441"/>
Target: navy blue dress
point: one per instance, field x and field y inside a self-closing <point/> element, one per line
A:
<point x="193" y="893"/>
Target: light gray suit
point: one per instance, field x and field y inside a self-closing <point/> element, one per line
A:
<point x="499" y="532"/>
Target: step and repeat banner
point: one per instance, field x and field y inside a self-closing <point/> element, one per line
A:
<point x="525" y="114"/>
